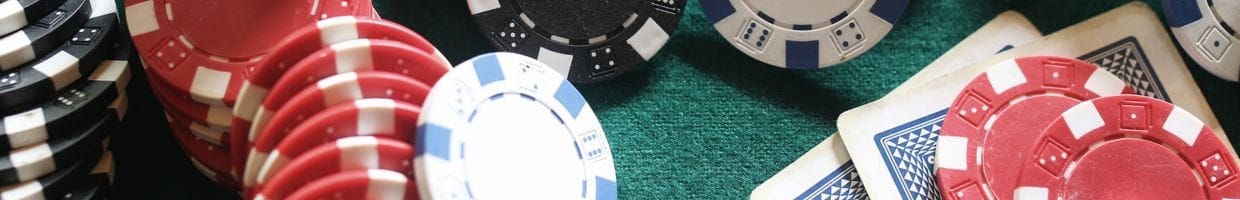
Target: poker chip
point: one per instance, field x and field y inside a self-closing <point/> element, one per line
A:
<point x="587" y="41"/>
<point x="334" y="90"/>
<point x="214" y="159"/>
<point x="207" y="134"/>
<point x="1128" y="147"/>
<point x="80" y="103"/>
<point x="359" y="184"/>
<point x="54" y="185"/>
<point x="36" y="41"/>
<point x="1206" y="30"/>
<point x="348" y="56"/>
<point x="352" y="153"/>
<point x="997" y="116"/>
<point x="17" y="14"/>
<point x="369" y="117"/>
<point x="196" y="48"/>
<point x="212" y="116"/>
<point x="31" y="162"/>
<point x="305" y="42"/>
<point x="510" y="110"/>
<point x="78" y="57"/>
<point x="97" y="183"/>
<point x="803" y="34"/>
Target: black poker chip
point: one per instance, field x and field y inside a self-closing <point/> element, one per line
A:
<point x="75" y="59"/>
<point x="38" y="40"/>
<point x="587" y="41"/>
<point x="58" y="184"/>
<point x="41" y="159"/>
<point x="16" y="14"/>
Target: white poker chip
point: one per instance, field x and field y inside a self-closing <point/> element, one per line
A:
<point x="500" y="122"/>
<point x="803" y="34"/>
<point x="1207" y="31"/>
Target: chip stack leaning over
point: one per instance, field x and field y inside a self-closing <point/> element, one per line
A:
<point x="62" y="86"/>
<point x="587" y="41"/>
<point x="1206" y="29"/>
<point x="803" y="34"/>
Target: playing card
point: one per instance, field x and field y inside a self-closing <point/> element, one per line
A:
<point x="826" y="171"/>
<point x="897" y="135"/>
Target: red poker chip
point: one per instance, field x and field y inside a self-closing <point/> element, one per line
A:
<point x="349" y="56"/>
<point x="994" y="120"/>
<point x="339" y="89"/>
<point x="359" y="184"/>
<point x="215" y="117"/>
<point x="368" y="117"/>
<point x="1128" y="147"/>
<point x="352" y="153"/>
<point x="305" y="41"/>
<point x="202" y="48"/>
<point x="214" y="159"/>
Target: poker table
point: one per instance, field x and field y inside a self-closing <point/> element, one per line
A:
<point x="701" y="120"/>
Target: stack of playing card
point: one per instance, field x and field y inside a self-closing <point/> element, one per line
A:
<point x="1087" y="78"/>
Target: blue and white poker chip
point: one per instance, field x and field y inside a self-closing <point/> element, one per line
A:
<point x="506" y="126"/>
<point x="1207" y="31"/>
<point x="803" y="34"/>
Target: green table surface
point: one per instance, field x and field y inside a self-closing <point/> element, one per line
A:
<point x="701" y="120"/>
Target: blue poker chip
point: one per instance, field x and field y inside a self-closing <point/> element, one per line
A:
<point x="1207" y="31"/>
<point x="503" y="125"/>
<point x="803" y="34"/>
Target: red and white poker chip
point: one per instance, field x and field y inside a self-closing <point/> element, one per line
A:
<point x="993" y="121"/>
<point x="352" y="153"/>
<point x="1128" y="147"/>
<point x="359" y="184"/>
<point x="349" y="56"/>
<point x="377" y="117"/>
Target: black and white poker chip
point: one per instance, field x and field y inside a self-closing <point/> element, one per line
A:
<point x="77" y="57"/>
<point x="59" y="184"/>
<point x="37" y="40"/>
<point x="79" y="104"/>
<point x="15" y="14"/>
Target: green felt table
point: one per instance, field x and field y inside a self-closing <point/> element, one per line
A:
<point x="701" y="120"/>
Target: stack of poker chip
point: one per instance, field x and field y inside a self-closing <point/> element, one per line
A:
<point x="63" y="75"/>
<point x="1048" y="127"/>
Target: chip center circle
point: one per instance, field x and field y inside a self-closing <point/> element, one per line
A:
<point x="579" y="19"/>
<point x="518" y="149"/>
<point x="1131" y="168"/>
<point x="817" y="13"/>
<point x="238" y="29"/>
<point x="1013" y="132"/>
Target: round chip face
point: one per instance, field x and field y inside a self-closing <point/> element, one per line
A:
<point x="588" y="41"/>
<point x="202" y="48"/>
<point x="359" y="184"/>
<point x="994" y="120"/>
<point x="1128" y="147"/>
<point x="509" y="110"/>
<point x="803" y="34"/>
<point x="352" y="153"/>
<point x="348" y="56"/>
<point x="369" y="117"/>
<point x="1207" y="31"/>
